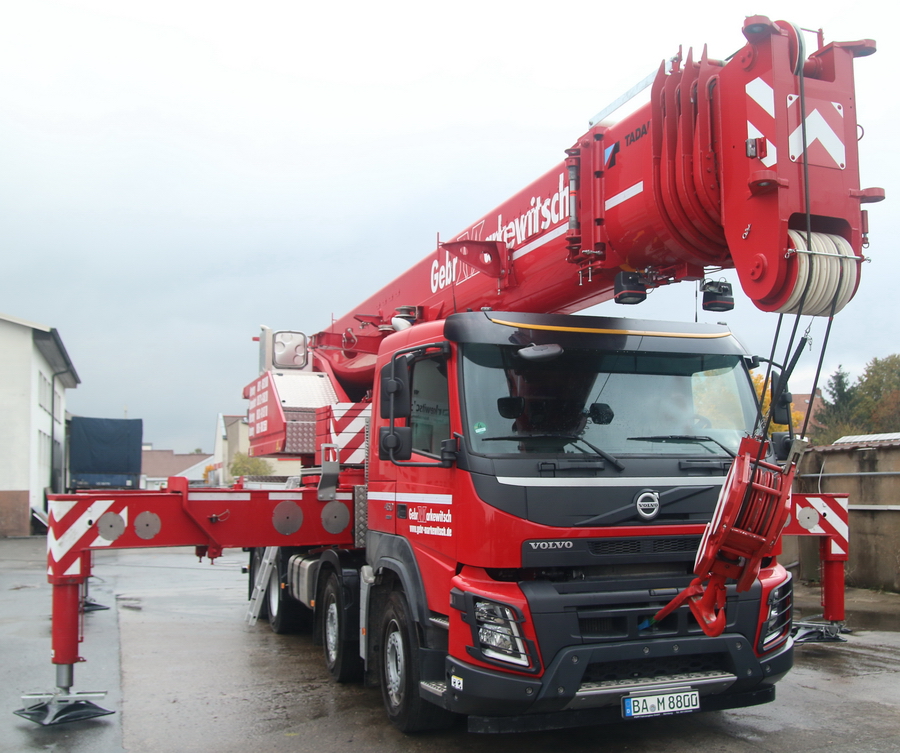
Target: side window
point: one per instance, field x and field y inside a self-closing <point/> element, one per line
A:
<point x="430" y="395"/>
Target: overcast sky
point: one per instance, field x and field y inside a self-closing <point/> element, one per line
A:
<point x="174" y="173"/>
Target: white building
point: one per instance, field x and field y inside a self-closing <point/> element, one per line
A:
<point x="158" y="465"/>
<point x="35" y="372"/>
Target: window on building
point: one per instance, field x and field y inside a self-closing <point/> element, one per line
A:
<point x="44" y="393"/>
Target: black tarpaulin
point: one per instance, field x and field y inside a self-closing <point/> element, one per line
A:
<point x="105" y="445"/>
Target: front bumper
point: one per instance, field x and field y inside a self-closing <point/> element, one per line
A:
<point x="574" y="689"/>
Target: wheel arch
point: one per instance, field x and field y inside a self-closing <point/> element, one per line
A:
<point x="346" y="566"/>
<point x="392" y="556"/>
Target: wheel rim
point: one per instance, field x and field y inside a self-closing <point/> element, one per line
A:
<point x="274" y="592"/>
<point x="331" y="631"/>
<point x="394" y="668"/>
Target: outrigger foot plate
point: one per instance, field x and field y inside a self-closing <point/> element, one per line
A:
<point x="820" y="632"/>
<point x="59" y="708"/>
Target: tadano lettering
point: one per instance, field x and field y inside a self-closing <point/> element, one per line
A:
<point x="637" y="133"/>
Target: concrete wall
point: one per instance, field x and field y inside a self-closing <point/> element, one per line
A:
<point x="874" y="510"/>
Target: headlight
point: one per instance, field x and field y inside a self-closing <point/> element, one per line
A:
<point x="498" y="633"/>
<point x="777" y="625"/>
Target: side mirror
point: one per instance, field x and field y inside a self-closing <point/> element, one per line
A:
<point x="395" y="397"/>
<point x="395" y="443"/>
<point x="780" y="401"/>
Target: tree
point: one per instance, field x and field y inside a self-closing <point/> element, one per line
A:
<point x="765" y="399"/>
<point x="870" y="406"/>
<point x="878" y="394"/>
<point x="243" y="465"/>
<point x="838" y="415"/>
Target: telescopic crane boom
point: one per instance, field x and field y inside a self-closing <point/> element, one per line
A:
<point x="749" y="164"/>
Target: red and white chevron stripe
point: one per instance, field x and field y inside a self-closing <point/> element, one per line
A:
<point x="822" y="515"/>
<point x="348" y="430"/>
<point x="824" y="126"/>
<point x="761" y="117"/>
<point x="72" y="530"/>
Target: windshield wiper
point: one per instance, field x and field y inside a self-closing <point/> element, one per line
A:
<point x="683" y="438"/>
<point x="570" y="437"/>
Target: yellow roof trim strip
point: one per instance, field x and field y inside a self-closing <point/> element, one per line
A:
<point x="599" y="331"/>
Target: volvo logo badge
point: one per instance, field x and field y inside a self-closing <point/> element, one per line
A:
<point x="647" y="504"/>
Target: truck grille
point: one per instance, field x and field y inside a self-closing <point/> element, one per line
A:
<point x="615" y="622"/>
<point x="672" y="545"/>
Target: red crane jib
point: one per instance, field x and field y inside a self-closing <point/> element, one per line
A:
<point x="709" y="174"/>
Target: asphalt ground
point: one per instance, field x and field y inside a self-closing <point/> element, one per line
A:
<point x="185" y="673"/>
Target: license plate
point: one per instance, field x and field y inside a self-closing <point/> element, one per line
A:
<point x="677" y="702"/>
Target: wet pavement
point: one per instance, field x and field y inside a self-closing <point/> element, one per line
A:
<point x="185" y="673"/>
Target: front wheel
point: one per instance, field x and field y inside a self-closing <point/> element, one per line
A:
<point x="341" y="656"/>
<point x="400" y="674"/>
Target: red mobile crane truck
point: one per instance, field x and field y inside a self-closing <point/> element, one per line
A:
<point x="498" y="496"/>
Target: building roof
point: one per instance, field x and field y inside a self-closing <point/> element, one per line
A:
<point x="862" y="442"/>
<point x="165" y="463"/>
<point x="868" y="438"/>
<point x="50" y="346"/>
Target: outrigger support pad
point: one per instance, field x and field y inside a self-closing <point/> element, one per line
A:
<point x="62" y="706"/>
<point x="819" y="632"/>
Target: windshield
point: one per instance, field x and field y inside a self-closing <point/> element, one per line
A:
<point x="582" y="401"/>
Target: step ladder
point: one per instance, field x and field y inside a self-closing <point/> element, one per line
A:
<point x="262" y="580"/>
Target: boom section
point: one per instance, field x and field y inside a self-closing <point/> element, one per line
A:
<point x="749" y="164"/>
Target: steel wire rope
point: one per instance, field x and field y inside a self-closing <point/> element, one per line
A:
<point x="755" y="469"/>
<point x="812" y="394"/>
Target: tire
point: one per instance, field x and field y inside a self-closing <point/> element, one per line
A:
<point x="286" y="615"/>
<point x="399" y="672"/>
<point x="256" y="558"/>
<point x="341" y="656"/>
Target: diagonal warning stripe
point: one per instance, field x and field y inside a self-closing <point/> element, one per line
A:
<point x="763" y="94"/>
<point x="59" y="547"/>
<point x="819" y="130"/>
<point x="830" y="519"/>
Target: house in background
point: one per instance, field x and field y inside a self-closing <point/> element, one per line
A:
<point x="800" y="404"/>
<point x="233" y="436"/>
<point x="35" y="372"/>
<point x="158" y="465"/>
